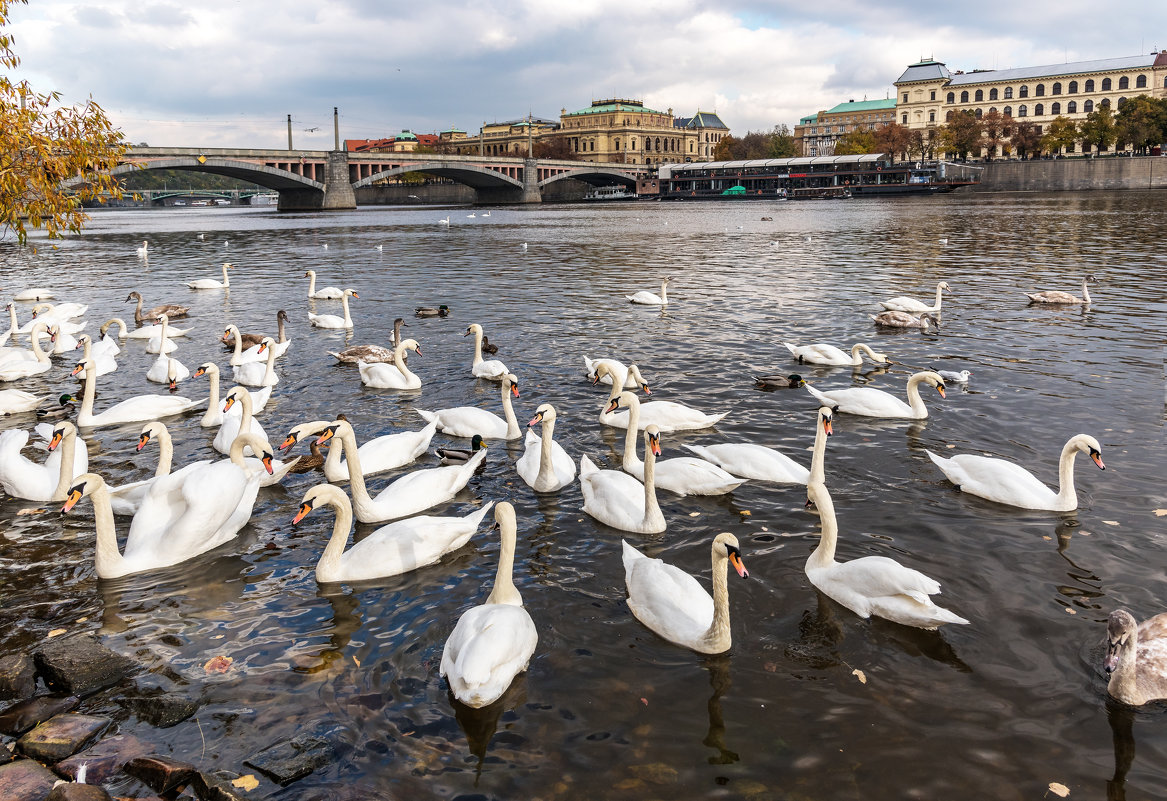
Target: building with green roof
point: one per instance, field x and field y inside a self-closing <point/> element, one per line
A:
<point x="817" y="134"/>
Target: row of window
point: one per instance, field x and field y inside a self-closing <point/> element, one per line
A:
<point x="1039" y="90"/>
<point x="1039" y="110"/>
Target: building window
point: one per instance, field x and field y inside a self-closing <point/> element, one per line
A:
<point x="1038" y="110"/>
<point x="1055" y="109"/>
<point x="1106" y="84"/>
<point x="993" y="93"/>
<point x="980" y="96"/>
<point x="905" y="97"/>
<point x="1090" y="85"/>
<point x="1008" y="112"/>
<point x="1072" y="107"/>
<point x="948" y="117"/>
<point x="1073" y="90"/>
<point x="931" y="116"/>
<point x="1105" y="102"/>
<point x="932" y="94"/>
<point x="1023" y="91"/>
<point x="964" y="96"/>
<point x="1124" y="82"/>
<point x="992" y="109"/>
<point x="1008" y="92"/>
<point x="1021" y="111"/>
<point x="951" y="97"/>
<point x="905" y="118"/>
<point x="1039" y="90"/>
<point x="1121" y="100"/>
<point x="1141" y="82"/>
<point x="1088" y="106"/>
<point x="1057" y="90"/>
<point x="979" y="113"/>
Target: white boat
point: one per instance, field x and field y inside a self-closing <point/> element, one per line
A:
<point x="617" y="192"/>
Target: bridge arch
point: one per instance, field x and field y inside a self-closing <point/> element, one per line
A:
<point x="267" y="177"/>
<point x="469" y="174"/>
<point x="596" y="176"/>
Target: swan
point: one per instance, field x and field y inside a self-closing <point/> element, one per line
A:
<point x="215" y="414"/>
<point x="375" y="456"/>
<point x="171" y="310"/>
<point x="493" y="642"/>
<point x="144" y="250"/>
<point x="649" y="299"/>
<point x="871" y="585"/>
<point x="328" y="293"/>
<point x="211" y="283"/>
<point x="392" y="376"/>
<point x="62" y="341"/>
<point x="871" y="402"/>
<point x="132" y="410"/>
<point x="1136" y="658"/>
<point x="183" y="514"/>
<point x="1004" y="482"/>
<point x="632" y="379"/>
<point x="906" y="304"/>
<point x="619" y="500"/>
<point x="331" y="320"/>
<point x="1057" y="297"/>
<point x="673" y="604"/>
<point x="490" y="369"/>
<point x="759" y="463"/>
<point x="371" y="353"/>
<point x="60" y="312"/>
<point x="668" y="416"/>
<point x="14" y="368"/>
<point x="126" y="499"/>
<point x="13" y="327"/>
<point x="145" y="332"/>
<point x="792" y="381"/>
<point x="253" y="353"/>
<point x="259" y="374"/>
<point x="444" y="221"/>
<point x="466" y="421"/>
<point x="104" y="360"/>
<point x="35" y="293"/>
<point x="252" y="340"/>
<point x="389" y="550"/>
<point x="166" y="370"/>
<point x="545" y="465"/>
<point x="684" y="475"/>
<point x="822" y="353"/>
<point x="23" y="478"/>
<point x="412" y="493"/>
<point x="234" y="423"/>
<point x="902" y="319"/>
<point x="15" y="354"/>
<point x="471" y="216"/>
<point x="14" y="401"/>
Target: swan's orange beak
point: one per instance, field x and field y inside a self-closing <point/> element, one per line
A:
<point x="71" y="499"/>
<point x="538" y="418"/>
<point x="828" y="428"/>
<point x="289" y="442"/>
<point x="80" y="344"/>
<point x="230" y="402"/>
<point x="515" y="390"/>
<point x="417" y="350"/>
<point x="613" y="405"/>
<point x="1097" y="457"/>
<point x="305" y="508"/>
<point x="78" y="368"/>
<point x="174" y="386"/>
<point x="735" y="559"/>
<point x="267" y="459"/>
<point x="142" y="440"/>
<point x="226" y="335"/>
<point x="262" y="347"/>
<point x="326" y="435"/>
<point x="940" y="389"/>
<point x="654" y="443"/>
<point x="199" y="373"/>
<point x="355" y="295"/>
<point x="644" y="388"/>
<point x="58" y="435"/>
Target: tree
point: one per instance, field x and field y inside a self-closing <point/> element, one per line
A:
<point x="996" y="128"/>
<point x="1142" y="122"/>
<point x="43" y="144"/>
<point x="1061" y="133"/>
<point x="1026" y="138"/>
<point x="724" y="149"/>
<point x="782" y="144"/>
<point x="1098" y="129"/>
<point x="893" y="138"/>
<point x="962" y="134"/>
<point x="856" y="143"/>
<point x="559" y="147"/>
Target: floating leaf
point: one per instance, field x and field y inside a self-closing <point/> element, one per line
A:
<point x="859" y="674"/>
<point x="31" y="512"/>
<point x="218" y="664"/>
<point x="1071" y="611"/>
<point x="1110" y="522"/>
<point x="951" y="446"/>
<point x="644" y="701"/>
<point x="1060" y="790"/>
<point x="247" y="782"/>
<point x="356" y="661"/>
<point x="57" y="632"/>
<point x="744" y="513"/>
<point x="694" y="514"/>
<point x="1160" y="512"/>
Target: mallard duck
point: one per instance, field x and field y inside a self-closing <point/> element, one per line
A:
<point x="462" y="455"/>
<point x="487" y="347"/>
<point x="314" y="461"/>
<point x="430" y="311"/>
<point x="251" y="340"/>
<point x="902" y="319"/>
<point x="171" y="310"/>
<point x="792" y="381"/>
<point x="65" y="408"/>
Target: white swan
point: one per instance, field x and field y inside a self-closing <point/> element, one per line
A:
<point x="182" y="516"/>
<point x="145" y="332"/>
<point x="668" y="416"/>
<point x="23" y="478"/>
<point x="466" y="421"/>
<point x="617" y="499"/>
<point x="674" y="604"/>
<point x="871" y="402"/>
<point x="327" y="293"/>
<point x="822" y="353"/>
<point x="15" y="368"/>
<point x="412" y="493"/>
<point x="1005" y="482"/>
<point x="684" y="475"/>
<point x="259" y="374"/>
<point x="233" y="424"/>
<point x="144" y="250"/>
<point x="490" y="369"/>
<point x="12" y="354"/>
<point x="375" y="456"/>
<point x="165" y="369"/>
<point x="14" y="401"/>
<point x="13" y="327"/>
<point x="331" y="320"/>
<point x="62" y="342"/>
<point x="493" y="642"/>
<point x="1059" y="298"/>
<point x="649" y="299"/>
<point x="391" y="376"/>
<point x="1136" y="658"/>
<point x="907" y="304"/>
<point x="101" y="356"/>
<point x="211" y="283"/>
<point x="902" y="319"/>
<point x="137" y="409"/>
<point x="35" y="293"/>
<point x="389" y="550"/>
<point x="215" y="414"/>
<point x="632" y="379"/>
<point x="759" y="463"/>
<point x="871" y="585"/>
<point x="545" y="465"/>
<point x="126" y="499"/>
<point x="60" y="312"/>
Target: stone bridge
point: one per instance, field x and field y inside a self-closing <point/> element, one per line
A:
<point x="327" y="179"/>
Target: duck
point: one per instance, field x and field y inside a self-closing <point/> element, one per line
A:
<point x="490" y="369"/>
<point x="545" y="465"/>
<point x="906" y="304"/>
<point x="412" y="493"/>
<point x="137" y="409"/>
<point x="466" y="421"/>
<point x="211" y="283"/>
<point x="1059" y="298"/>
<point x="126" y="499"/>
<point x="328" y="293"/>
<point x="902" y="319"/>
<point x="392" y="376"/>
<point x="48" y="481"/>
<point x="823" y="353"/>
<point x="312" y="462"/>
<point x="432" y="311"/>
<point x="233" y="424"/>
<point x="1005" y="482"/>
<point x="871" y="585"/>
<point x="377" y="455"/>
<point x="493" y="642"/>
<point x="390" y="550"/>
<point x="331" y="320"/>
<point x="15" y="368"/>
<point x="65" y="407"/>
<point x="171" y="310"/>
<point x="214" y="415"/>
<point x="15" y="401"/>
<point x="259" y="374"/>
<point x="955" y="376"/>
<point x="617" y="499"/>
<point x="683" y="475"/>
<point x="871" y="402"/>
<point x="673" y="604"/>
<point x="1136" y="658"/>
<point x="759" y="463"/>
<point x="105" y="361"/>
<point x="252" y="340"/>
<point x="182" y="516"/>
<point x="145" y="332"/>
<point x="449" y="455"/>
<point x="629" y="376"/>
<point x="488" y="346"/>
<point x="667" y="416"/>
<point x="792" y="381"/>
<point x="34" y="293"/>
<point x="372" y="353"/>
<point x="645" y="298"/>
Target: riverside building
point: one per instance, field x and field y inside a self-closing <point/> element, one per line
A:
<point x="817" y="134"/>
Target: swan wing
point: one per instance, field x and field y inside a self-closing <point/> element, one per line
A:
<point x="996" y="479"/>
<point x="490" y="645"/>
<point x="687" y="475"/>
<point x="905" y="304"/>
<point x="611" y="496"/>
<point x="863" y="401"/>
<point x="492" y="369"/>
<point x="665" y="598"/>
<point x="417" y="491"/>
<point x="466" y="421"/>
<point x="753" y="461"/>
<point x="527" y="465"/>
<point x="407" y="545"/>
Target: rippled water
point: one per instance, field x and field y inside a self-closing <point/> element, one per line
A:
<point x="996" y="709"/>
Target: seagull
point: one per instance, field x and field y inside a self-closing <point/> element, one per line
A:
<point x="326" y="246"/>
<point x="523" y="247"/>
<point x="944" y="241"/>
<point x="380" y="247"/>
<point x="202" y="236"/>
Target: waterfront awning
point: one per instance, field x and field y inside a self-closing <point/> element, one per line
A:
<point x="735" y="190"/>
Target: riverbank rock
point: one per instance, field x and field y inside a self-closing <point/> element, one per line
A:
<point x="294" y="759"/>
<point x="25" y="780"/>
<point x="217" y="786"/>
<point x="17" y="677"/>
<point x="80" y="665"/>
<point x="161" y="710"/>
<point x="161" y="774"/>
<point x="62" y="736"/>
<point x="104" y="760"/>
<point x="19" y="718"/>
<point x="78" y="792"/>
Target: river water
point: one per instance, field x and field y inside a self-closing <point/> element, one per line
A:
<point x="812" y="701"/>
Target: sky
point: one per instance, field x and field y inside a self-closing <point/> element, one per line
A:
<point x="226" y="73"/>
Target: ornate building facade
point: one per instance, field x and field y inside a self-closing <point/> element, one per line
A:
<point x="816" y="135"/>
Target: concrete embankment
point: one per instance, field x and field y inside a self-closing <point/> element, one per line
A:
<point x="1141" y="172"/>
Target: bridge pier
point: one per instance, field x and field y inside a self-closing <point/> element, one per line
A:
<point x="338" y="191"/>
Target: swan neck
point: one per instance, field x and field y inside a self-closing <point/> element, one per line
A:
<point x="348" y="321"/>
<point x="65" y="474"/>
<point x="546" y="464"/>
<point x="165" y="453"/>
<point x="226" y="278"/>
<point x="504" y="591"/>
<point x="719" y="636"/>
<point x="1085" y="290"/>
<point x="138" y="311"/>
<point x="664" y="292"/>
<point x="1123" y="682"/>
<point x="37" y="350"/>
<point x="328" y="568"/>
<point x="509" y="412"/>
<point x="13" y="323"/>
<point x="356" y="479"/>
<point x="939" y="297"/>
<point x="1067" y="494"/>
<point x="270" y="372"/>
<point x="818" y="457"/>
<point x="399" y="361"/>
<point x="311" y="283"/>
<point x="824" y="554"/>
<point x="85" y="415"/>
<point x="477" y="345"/>
<point x="108" y="560"/>
<point x="213" y="412"/>
<point x="235" y="357"/>
<point x="632" y="463"/>
<point x="914" y="400"/>
<point x="652" y="512"/>
<point x="280" y="330"/>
